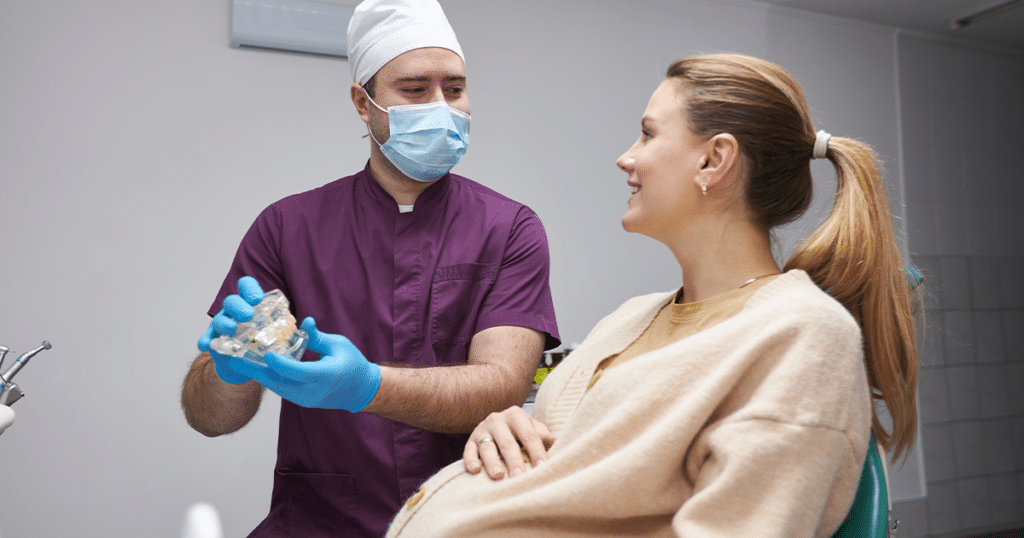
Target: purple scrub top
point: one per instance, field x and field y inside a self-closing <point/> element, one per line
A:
<point x="410" y="288"/>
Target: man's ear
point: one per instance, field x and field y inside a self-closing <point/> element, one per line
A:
<point x="361" y="102"/>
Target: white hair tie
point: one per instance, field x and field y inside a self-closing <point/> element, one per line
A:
<point x="820" y="145"/>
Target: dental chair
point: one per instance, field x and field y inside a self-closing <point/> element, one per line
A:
<point x="869" y="517"/>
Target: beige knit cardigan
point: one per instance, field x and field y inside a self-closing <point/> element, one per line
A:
<point x="756" y="427"/>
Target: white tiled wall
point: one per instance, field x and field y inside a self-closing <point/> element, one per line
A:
<point x="963" y="140"/>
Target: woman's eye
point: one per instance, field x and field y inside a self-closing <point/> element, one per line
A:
<point x="645" y="135"/>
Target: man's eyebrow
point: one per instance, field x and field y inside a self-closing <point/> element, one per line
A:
<point x="452" y="78"/>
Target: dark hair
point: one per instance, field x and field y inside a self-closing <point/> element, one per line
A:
<point x="371" y="86"/>
<point x="854" y="253"/>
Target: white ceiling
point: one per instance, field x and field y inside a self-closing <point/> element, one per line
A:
<point x="932" y="16"/>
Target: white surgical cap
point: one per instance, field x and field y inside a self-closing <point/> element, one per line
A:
<point x="380" y="30"/>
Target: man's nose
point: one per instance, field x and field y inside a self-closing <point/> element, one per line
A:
<point x="436" y="94"/>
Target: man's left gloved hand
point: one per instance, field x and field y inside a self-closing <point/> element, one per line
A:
<point x="341" y="379"/>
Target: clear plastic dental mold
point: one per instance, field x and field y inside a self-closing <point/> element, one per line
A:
<point x="272" y="329"/>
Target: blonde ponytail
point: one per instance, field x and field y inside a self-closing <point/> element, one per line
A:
<point x="854" y="255"/>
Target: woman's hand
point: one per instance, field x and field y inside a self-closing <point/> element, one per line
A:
<point x="504" y="442"/>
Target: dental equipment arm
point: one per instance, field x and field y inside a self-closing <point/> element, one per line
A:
<point x="9" y="391"/>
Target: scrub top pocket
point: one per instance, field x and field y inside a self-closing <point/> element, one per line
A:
<point x="456" y="293"/>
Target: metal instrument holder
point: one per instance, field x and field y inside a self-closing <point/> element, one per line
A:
<point x="10" y="392"/>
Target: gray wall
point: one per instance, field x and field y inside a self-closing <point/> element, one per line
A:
<point x="963" y="132"/>
<point x="136" y="147"/>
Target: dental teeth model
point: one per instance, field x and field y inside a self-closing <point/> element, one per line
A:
<point x="271" y="329"/>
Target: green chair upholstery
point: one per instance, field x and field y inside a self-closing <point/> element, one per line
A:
<point x="869" y="515"/>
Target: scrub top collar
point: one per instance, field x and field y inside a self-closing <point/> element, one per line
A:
<point x="429" y="198"/>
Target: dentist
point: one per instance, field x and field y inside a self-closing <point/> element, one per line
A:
<point x="425" y="295"/>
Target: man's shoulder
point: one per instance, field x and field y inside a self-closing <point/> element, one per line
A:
<point x="465" y="189"/>
<point x="331" y="193"/>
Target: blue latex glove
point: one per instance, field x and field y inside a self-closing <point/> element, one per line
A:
<point x="341" y="379"/>
<point x="236" y="308"/>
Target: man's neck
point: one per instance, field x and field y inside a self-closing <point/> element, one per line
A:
<point x="403" y="189"/>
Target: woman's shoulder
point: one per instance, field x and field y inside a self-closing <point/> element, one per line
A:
<point x="795" y="297"/>
<point x="807" y="367"/>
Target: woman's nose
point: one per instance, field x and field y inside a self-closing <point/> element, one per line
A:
<point x="625" y="163"/>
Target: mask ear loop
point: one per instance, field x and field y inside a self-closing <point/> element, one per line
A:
<point x="369" y="133"/>
<point x="382" y="109"/>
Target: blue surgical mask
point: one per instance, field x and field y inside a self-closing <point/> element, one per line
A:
<point x="427" y="140"/>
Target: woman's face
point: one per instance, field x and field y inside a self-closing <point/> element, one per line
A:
<point x="663" y="167"/>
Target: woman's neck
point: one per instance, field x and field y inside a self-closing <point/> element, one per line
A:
<point x="722" y="258"/>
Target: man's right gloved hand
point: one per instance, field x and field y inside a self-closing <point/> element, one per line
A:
<point x="236" y="308"/>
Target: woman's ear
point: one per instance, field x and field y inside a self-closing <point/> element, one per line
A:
<point x="721" y="157"/>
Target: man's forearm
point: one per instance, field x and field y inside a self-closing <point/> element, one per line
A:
<point x="454" y="399"/>
<point x="448" y="399"/>
<point x="213" y="407"/>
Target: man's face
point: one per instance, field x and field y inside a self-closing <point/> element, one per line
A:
<point x="415" y="77"/>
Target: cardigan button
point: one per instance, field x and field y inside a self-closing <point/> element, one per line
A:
<point x="416" y="498"/>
